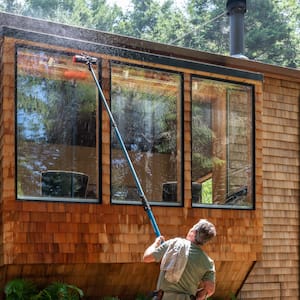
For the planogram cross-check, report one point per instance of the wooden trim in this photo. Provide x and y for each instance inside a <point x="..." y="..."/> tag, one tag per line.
<point x="96" y="36"/>
<point x="131" y="54"/>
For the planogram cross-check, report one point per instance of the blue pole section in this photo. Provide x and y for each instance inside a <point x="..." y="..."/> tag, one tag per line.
<point x="133" y="172"/>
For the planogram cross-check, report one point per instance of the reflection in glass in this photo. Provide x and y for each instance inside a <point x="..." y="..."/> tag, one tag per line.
<point x="146" y="106"/>
<point x="56" y="124"/>
<point x="222" y="136"/>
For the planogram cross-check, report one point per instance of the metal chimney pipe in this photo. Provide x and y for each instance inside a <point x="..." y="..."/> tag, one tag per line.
<point x="236" y="10"/>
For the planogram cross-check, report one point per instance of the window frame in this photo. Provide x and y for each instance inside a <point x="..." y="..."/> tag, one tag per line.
<point x="108" y="52"/>
<point x="98" y="151"/>
<point x="180" y="176"/>
<point x="252" y="138"/>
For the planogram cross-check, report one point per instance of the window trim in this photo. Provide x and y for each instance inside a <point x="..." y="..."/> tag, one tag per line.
<point x="253" y="195"/>
<point x="187" y="67"/>
<point x="130" y="54"/>
<point x="96" y="200"/>
<point x="181" y="121"/>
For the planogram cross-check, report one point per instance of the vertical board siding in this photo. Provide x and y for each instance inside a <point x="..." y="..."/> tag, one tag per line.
<point x="276" y="275"/>
<point x="1" y="155"/>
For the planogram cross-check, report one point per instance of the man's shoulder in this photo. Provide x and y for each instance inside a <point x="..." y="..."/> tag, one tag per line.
<point x="201" y="254"/>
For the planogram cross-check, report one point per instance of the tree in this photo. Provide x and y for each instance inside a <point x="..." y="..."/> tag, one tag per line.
<point x="104" y="17"/>
<point x="268" y="34"/>
<point x="55" y="10"/>
<point x="290" y="11"/>
<point x="161" y="22"/>
<point x="11" y="6"/>
<point x="210" y="25"/>
<point x="141" y="21"/>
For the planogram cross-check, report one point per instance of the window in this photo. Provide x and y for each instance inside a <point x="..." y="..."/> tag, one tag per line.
<point x="146" y="104"/>
<point x="56" y="128"/>
<point x="222" y="143"/>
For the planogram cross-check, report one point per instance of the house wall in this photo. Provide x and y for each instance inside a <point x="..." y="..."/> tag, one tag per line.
<point x="99" y="247"/>
<point x="67" y="240"/>
<point x="1" y="169"/>
<point x="276" y="275"/>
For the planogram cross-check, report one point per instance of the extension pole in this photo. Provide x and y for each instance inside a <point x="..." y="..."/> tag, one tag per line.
<point x="89" y="61"/>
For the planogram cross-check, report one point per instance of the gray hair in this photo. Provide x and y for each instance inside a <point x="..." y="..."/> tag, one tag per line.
<point x="205" y="231"/>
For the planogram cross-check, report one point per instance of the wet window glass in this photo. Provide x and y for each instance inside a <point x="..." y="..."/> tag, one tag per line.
<point x="146" y="104"/>
<point x="56" y="116"/>
<point x="222" y="144"/>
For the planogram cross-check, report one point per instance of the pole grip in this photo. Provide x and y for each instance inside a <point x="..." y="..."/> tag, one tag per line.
<point x="151" y="216"/>
<point x="153" y="223"/>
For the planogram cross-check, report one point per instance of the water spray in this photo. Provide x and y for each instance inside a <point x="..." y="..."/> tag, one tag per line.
<point x="89" y="61"/>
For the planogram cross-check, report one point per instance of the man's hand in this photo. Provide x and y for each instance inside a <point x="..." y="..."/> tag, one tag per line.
<point x="148" y="257"/>
<point x="158" y="241"/>
<point x="207" y="289"/>
<point x="201" y="294"/>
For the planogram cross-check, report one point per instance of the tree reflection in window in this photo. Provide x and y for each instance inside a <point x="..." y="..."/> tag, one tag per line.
<point x="146" y="104"/>
<point x="222" y="139"/>
<point x="56" y="120"/>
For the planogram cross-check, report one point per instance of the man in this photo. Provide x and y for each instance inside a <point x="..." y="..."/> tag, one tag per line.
<point x="184" y="265"/>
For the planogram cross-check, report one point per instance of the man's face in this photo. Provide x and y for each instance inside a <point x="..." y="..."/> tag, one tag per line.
<point x="191" y="234"/>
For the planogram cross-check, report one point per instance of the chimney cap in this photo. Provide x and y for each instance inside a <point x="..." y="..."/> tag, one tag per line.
<point x="239" y="5"/>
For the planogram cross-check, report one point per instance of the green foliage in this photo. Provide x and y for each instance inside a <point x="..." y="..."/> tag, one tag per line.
<point x="232" y="296"/>
<point x="207" y="191"/>
<point x="61" y="291"/>
<point x="271" y="44"/>
<point x="138" y="297"/>
<point x="141" y="297"/>
<point x="22" y="289"/>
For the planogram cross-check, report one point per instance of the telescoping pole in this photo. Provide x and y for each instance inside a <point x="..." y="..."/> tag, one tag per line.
<point x="89" y="61"/>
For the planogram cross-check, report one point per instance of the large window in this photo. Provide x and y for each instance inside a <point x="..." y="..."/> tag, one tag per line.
<point x="56" y="130"/>
<point x="146" y="104"/>
<point x="222" y="143"/>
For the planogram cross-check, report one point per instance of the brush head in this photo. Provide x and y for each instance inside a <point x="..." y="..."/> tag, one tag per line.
<point x="86" y="59"/>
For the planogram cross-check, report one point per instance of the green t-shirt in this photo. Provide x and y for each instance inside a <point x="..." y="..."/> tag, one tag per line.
<point x="199" y="267"/>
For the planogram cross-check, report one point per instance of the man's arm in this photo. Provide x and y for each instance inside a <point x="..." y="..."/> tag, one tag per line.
<point x="148" y="254"/>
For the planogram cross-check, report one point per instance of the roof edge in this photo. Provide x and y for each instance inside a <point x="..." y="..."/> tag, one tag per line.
<point x="117" y="40"/>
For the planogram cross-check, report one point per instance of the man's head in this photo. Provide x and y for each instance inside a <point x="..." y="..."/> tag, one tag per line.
<point x="202" y="232"/>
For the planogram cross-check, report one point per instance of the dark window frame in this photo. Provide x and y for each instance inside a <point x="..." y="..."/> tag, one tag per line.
<point x="180" y="203"/>
<point x="191" y="66"/>
<point x="96" y="200"/>
<point x="253" y="165"/>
